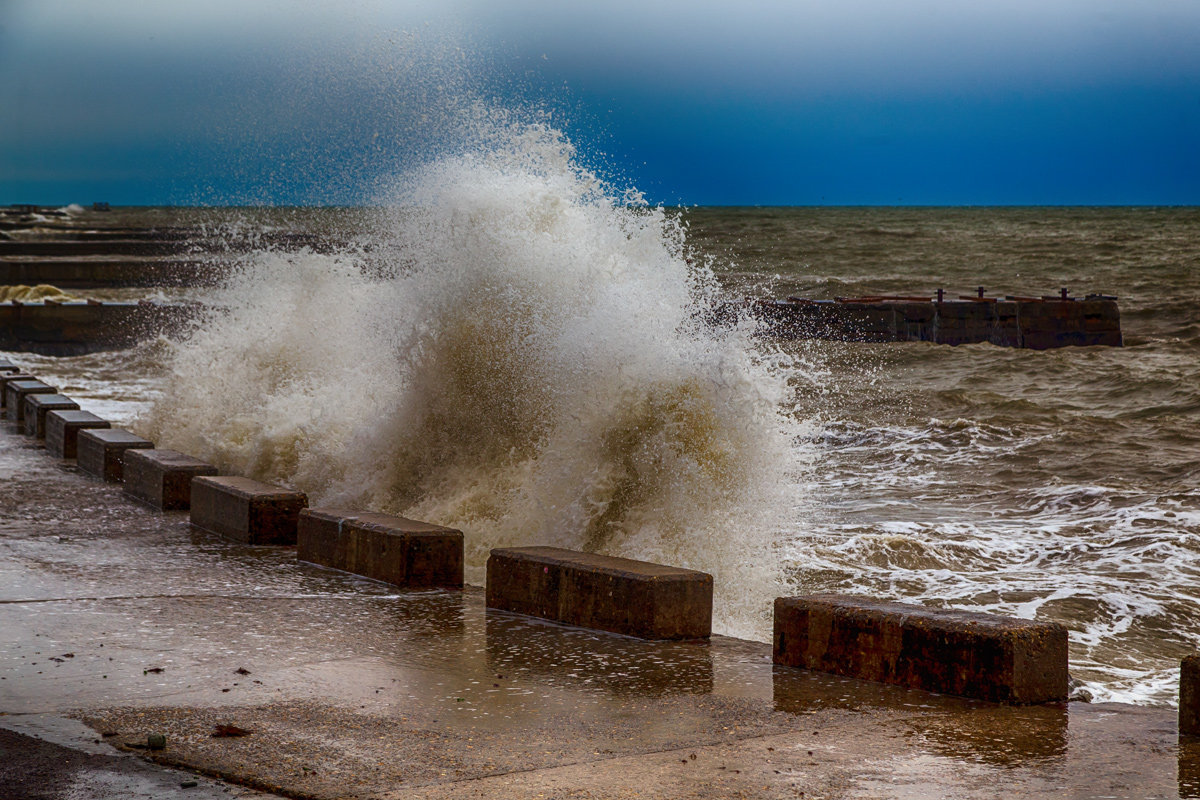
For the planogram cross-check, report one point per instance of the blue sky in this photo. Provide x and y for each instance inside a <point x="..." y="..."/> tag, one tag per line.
<point x="856" y="102"/>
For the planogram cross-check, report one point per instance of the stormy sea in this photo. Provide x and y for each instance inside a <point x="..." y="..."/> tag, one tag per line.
<point x="507" y="344"/>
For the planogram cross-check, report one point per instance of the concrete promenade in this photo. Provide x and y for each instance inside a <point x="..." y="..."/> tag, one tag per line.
<point x="135" y="623"/>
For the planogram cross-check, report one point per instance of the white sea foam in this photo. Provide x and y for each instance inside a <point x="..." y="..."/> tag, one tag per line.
<point x="520" y="354"/>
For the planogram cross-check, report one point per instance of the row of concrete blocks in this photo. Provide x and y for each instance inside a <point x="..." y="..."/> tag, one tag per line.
<point x="977" y="655"/>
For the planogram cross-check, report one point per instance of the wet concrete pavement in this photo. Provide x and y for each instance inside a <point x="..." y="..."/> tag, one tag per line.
<point x="46" y="757"/>
<point x="135" y="623"/>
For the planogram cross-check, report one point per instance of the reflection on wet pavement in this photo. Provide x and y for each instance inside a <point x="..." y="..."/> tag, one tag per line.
<point x="1189" y="766"/>
<point x="583" y="659"/>
<point x="963" y="729"/>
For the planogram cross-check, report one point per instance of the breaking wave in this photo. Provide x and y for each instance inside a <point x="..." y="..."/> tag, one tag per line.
<point x="519" y="352"/>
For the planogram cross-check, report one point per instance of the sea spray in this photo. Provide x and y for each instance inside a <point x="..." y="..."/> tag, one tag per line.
<point x="520" y="354"/>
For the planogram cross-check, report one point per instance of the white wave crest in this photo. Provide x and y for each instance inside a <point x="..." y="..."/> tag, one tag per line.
<point x="520" y="356"/>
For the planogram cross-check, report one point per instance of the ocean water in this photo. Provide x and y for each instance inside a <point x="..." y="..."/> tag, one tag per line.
<point x="1060" y="485"/>
<point x="507" y="345"/>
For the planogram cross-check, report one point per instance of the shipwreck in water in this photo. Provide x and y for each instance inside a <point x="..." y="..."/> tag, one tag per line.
<point x="1037" y="323"/>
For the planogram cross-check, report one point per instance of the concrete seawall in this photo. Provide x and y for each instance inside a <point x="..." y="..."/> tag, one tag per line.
<point x="97" y="259"/>
<point x="1035" y="324"/>
<point x="69" y="329"/>
<point x="992" y="658"/>
<point x="106" y="272"/>
<point x="74" y="247"/>
<point x="348" y="688"/>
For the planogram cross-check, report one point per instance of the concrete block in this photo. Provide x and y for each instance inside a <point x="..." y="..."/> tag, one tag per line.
<point x="635" y="598"/>
<point x="162" y="479"/>
<point x="36" y="408"/>
<point x="63" y="427"/>
<point x="1189" y="696"/>
<point x="16" y="392"/>
<point x="5" y="378"/>
<point x="101" y="451"/>
<point x="246" y="510"/>
<point x="8" y="366"/>
<point x="965" y="653"/>
<point x="386" y="548"/>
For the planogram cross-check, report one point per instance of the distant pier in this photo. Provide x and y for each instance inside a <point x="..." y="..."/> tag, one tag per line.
<point x="1035" y="323"/>
<point x="78" y="328"/>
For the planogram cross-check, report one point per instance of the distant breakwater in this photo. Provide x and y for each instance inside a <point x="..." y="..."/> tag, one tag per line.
<point x="61" y="255"/>
<point x="1026" y="322"/>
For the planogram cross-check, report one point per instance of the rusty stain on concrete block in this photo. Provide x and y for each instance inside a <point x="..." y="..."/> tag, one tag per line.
<point x="384" y="547"/>
<point x="989" y="657"/>
<point x="635" y="598"/>
<point x="162" y="479"/>
<point x="246" y="510"/>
